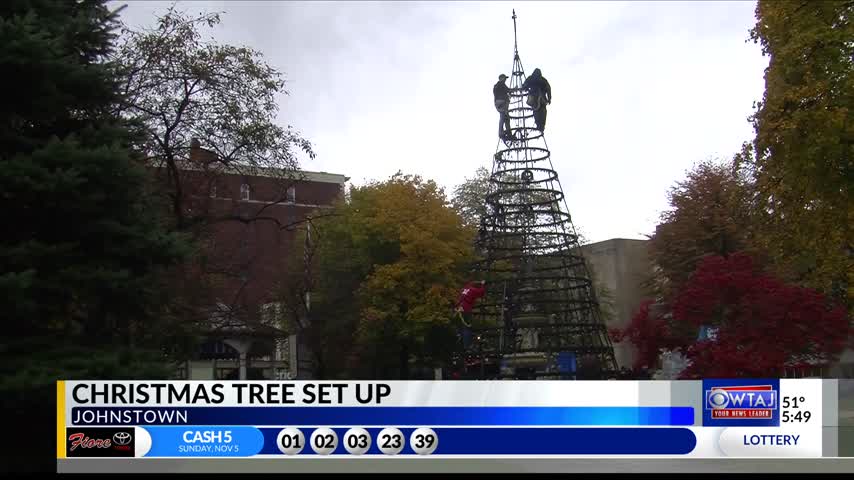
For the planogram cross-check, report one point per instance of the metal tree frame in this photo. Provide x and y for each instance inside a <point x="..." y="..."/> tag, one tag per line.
<point x="540" y="299"/>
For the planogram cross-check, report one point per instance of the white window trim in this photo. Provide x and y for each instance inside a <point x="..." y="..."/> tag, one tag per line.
<point x="244" y="192"/>
<point x="291" y="194"/>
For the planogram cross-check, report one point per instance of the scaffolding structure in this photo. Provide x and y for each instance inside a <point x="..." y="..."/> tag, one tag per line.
<point x="540" y="317"/>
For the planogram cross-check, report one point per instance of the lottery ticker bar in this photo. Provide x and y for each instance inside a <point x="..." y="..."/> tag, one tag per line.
<point x="286" y="420"/>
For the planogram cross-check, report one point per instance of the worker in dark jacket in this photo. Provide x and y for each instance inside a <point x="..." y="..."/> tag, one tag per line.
<point x="502" y="103"/>
<point x="539" y="95"/>
<point x="509" y="307"/>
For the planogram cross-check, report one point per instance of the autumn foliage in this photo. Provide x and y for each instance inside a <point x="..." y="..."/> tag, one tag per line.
<point x="801" y="156"/>
<point x="709" y="214"/>
<point x="763" y="324"/>
<point x="649" y="333"/>
<point x="387" y="267"/>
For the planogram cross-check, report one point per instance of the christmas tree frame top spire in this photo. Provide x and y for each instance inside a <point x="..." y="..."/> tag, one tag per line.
<point x="515" y="43"/>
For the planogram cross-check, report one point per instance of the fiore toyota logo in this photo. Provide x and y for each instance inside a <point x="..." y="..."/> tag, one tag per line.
<point x="99" y="442"/>
<point x="81" y="440"/>
<point x="122" y="438"/>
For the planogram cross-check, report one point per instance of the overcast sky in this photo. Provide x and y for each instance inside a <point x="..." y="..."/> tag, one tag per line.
<point x="642" y="90"/>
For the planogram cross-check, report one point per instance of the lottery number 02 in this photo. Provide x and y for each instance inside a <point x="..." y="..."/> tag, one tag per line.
<point x="291" y="441"/>
<point x="424" y="441"/>
<point x="392" y="441"/>
<point x="358" y="441"/>
<point x="324" y="441"/>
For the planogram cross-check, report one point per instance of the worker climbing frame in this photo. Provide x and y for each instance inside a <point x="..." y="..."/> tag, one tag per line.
<point x="540" y="317"/>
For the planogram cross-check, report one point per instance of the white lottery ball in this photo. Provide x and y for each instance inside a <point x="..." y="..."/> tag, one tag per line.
<point x="324" y="441"/>
<point x="290" y="441"/>
<point x="357" y="441"/>
<point x="424" y="441"/>
<point x="390" y="441"/>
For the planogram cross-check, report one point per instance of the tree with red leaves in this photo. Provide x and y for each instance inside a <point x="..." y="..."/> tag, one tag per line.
<point x="648" y="332"/>
<point x="763" y="325"/>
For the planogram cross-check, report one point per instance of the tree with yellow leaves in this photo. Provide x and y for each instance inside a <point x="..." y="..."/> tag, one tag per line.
<point x="802" y="153"/>
<point x="386" y="267"/>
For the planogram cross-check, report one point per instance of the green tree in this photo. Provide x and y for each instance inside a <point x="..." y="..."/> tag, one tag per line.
<point x="180" y="88"/>
<point x="804" y="141"/>
<point x="709" y="214"/>
<point x="469" y="197"/>
<point x="318" y="292"/>
<point x="81" y="263"/>
<point x="386" y="270"/>
<point x="182" y="91"/>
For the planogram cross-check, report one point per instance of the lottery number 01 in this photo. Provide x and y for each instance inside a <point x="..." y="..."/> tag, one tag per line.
<point x="291" y="441"/>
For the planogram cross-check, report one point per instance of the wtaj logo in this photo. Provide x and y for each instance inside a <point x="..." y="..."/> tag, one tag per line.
<point x="100" y="442"/>
<point x="757" y="401"/>
<point x="740" y="402"/>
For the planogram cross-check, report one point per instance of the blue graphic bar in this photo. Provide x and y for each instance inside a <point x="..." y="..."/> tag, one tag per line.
<point x="527" y="441"/>
<point x="398" y="416"/>
<point x="205" y="441"/>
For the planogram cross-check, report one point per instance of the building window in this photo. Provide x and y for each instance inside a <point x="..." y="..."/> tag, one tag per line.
<point x="213" y="190"/>
<point x="291" y="195"/>
<point x="244" y="192"/>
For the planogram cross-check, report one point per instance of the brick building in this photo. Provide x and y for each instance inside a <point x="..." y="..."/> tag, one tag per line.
<point x="253" y="215"/>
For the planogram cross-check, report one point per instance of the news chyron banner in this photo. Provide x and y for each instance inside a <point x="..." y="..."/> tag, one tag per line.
<point x="285" y="419"/>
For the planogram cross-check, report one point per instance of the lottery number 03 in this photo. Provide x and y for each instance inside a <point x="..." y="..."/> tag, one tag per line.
<point x="357" y="441"/>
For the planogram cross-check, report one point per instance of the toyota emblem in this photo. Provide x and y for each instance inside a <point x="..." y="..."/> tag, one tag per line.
<point x="121" y="438"/>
